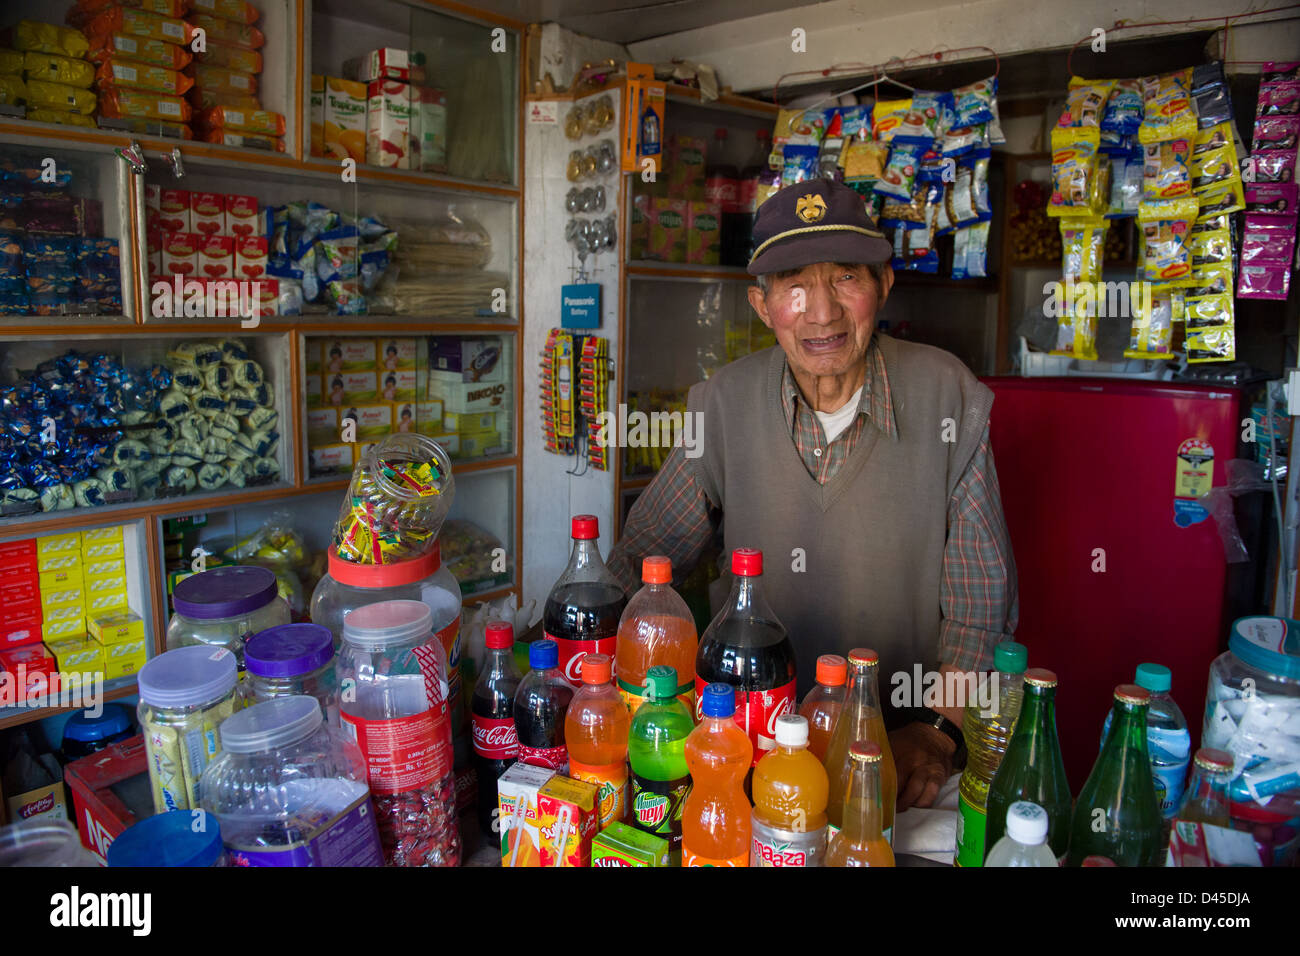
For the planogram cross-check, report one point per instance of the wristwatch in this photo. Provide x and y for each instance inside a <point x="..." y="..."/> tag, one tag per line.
<point x="938" y="721"/>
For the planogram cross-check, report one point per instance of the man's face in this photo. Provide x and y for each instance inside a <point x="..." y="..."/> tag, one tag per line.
<point x="823" y="315"/>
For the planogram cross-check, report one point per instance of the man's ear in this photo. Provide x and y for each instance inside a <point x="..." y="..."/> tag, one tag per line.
<point x="758" y="300"/>
<point x="886" y="282"/>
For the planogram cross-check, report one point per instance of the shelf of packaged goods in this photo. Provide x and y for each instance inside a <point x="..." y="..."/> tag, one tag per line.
<point x="113" y="690"/>
<point x="367" y="325"/>
<point x="379" y="174"/>
<point x="644" y="269"/>
<point x="458" y="467"/>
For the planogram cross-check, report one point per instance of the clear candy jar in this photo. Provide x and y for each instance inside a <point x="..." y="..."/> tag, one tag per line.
<point x="292" y="660"/>
<point x="43" y="841"/>
<point x="225" y="607"/>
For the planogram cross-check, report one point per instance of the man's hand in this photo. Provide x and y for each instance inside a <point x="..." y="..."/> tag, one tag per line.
<point x="923" y="757"/>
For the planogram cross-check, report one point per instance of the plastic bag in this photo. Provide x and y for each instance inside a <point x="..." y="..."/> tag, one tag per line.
<point x="886" y="118"/>
<point x="58" y="69"/>
<point x="1167" y="107"/>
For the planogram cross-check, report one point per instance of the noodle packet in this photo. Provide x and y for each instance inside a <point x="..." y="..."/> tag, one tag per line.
<point x="1166" y="169"/>
<point x="1076" y="333"/>
<point x="1080" y="186"/>
<point x="864" y="159"/>
<point x="1085" y="104"/>
<point x="1211" y="345"/>
<point x="53" y="68"/>
<point x="1152" y="329"/>
<point x="1165" y="232"/>
<point x="1123" y="113"/>
<point x="1167" y="111"/>
<point x="973" y="103"/>
<point x="886" y="118"/>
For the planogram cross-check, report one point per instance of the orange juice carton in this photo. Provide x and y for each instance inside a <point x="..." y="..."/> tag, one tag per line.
<point x="241" y="216"/>
<point x="344" y="119"/>
<point x="173" y="210"/>
<point x="517" y="815"/>
<point x="180" y="253"/>
<point x="388" y="124"/>
<point x="622" y="845"/>
<point x="387" y="63"/>
<point x="568" y="813"/>
<point x="250" y="257"/>
<point x="208" y="213"/>
<point x="216" y="257"/>
<point x="666" y="230"/>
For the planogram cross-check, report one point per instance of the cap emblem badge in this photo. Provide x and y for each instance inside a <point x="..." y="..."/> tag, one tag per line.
<point x="810" y="208"/>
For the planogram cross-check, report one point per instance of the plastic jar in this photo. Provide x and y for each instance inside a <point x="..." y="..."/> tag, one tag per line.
<point x="43" y="842"/>
<point x="84" y="735"/>
<point x="185" y="694"/>
<point x="289" y="790"/>
<point x="290" y="660"/>
<point x="1254" y="690"/>
<point x="399" y="718"/>
<point x="169" y="839"/>
<point x="225" y="607"/>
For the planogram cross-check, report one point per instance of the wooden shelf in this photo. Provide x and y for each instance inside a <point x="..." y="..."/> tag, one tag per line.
<point x="13" y="716"/>
<point x="648" y="269"/>
<point x="917" y="280"/>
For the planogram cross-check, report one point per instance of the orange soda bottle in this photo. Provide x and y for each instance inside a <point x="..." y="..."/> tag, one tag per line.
<point x="596" y="728"/>
<point x="861" y="842"/>
<point x="716" y="815"/>
<point x="861" y="719"/>
<point x="656" y="628"/>
<point x="824" y="702"/>
<point x="790" y="791"/>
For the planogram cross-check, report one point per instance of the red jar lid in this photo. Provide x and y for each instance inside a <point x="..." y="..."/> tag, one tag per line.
<point x="385" y="575"/>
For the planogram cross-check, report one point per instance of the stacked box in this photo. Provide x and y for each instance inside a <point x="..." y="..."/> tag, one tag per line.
<point x="226" y="75"/>
<point x="20" y="597"/>
<point x="103" y="554"/>
<point x="121" y="635"/>
<point x="517" y="814"/>
<point x="62" y="586"/>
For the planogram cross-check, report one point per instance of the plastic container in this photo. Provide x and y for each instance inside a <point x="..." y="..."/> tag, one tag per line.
<point x="185" y="694"/>
<point x="290" y="790"/>
<point x="290" y="660"/>
<point x="225" y="607"/>
<point x="84" y="735"/>
<point x="43" y="842"/>
<point x="1254" y="688"/>
<point x="1025" y="843"/>
<point x="1168" y="741"/>
<point x="169" y="839"/>
<point x="716" y="816"/>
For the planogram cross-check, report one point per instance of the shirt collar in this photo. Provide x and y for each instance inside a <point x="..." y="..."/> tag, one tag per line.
<point x="876" y="403"/>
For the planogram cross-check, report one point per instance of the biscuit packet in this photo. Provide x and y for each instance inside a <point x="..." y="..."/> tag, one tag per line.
<point x="1085" y="103"/>
<point x="1165" y="229"/>
<point x="1167" y="110"/>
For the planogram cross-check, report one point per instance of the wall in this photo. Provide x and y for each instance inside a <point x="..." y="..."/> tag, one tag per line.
<point x="563" y="52"/>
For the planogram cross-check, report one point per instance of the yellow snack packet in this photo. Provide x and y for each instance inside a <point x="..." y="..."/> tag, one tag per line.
<point x="1211" y="345"/>
<point x="60" y="96"/>
<point x="58" y="69"/>
<point x="1085" y="103"/>
<point x="48" y="38"/>
<point x="887" y="116"/>
<point x="1080" y="183"/>
<point x="1167" y="111"/>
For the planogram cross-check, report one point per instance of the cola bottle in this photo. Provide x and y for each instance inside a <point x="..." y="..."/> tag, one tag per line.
<point x="584" y="606"/>
<point x="492" y="710"/>
<point x="541" y="702"/>
<point x="747" y="647"/>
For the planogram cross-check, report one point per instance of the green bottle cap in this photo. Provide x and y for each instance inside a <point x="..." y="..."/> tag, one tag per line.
<point x="1010" y="658"/>
<point x="1154" y="677"/>
<point x="661" y="682"/>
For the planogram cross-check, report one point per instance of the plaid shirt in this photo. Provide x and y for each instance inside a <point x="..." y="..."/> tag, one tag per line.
<point x="977" y="597"/>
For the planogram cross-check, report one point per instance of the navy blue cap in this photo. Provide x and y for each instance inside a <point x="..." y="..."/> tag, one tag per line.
<point x="719" y="700"/>
<point x="169" y="839"/>
<point x="543" y="654"/>
<point x="819" y="220"/>
<point x="81" y="726"/>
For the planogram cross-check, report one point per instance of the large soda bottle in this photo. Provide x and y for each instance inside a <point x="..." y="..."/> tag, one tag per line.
<point x="596" y="729"/>
<point x="861" y="842"/>
<point x="751" y="175"/>
<point x="1128" y="827"/>
<point x="790" y="792"/>
<point x="584" y="606"/>
<point x="1205" y="805"/>
<point x="1025" y="840"/>
<point x="715" y="817"/>
<point x="861" y="719"/>
<point x="492" y="717"/>
<point x="1033" y="769"/>
<point x="987" y="734"/>
<point x="656" y="628"/>
<point x="747" y="647"/>
<point x="541" y="702"/>
<point x="824" y="702"/>
<point x="656" y="748"/>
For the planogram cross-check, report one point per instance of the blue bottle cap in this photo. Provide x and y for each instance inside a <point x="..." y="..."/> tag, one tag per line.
<point x="719" y="700"/>
<point x="543" y="655"/>
<point x="169" y="839"/>
<point x="1154" y="677"/>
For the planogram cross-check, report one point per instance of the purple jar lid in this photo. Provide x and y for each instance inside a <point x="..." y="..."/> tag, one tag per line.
<point x="288" y="650"/>
<point x="225" y="592"/>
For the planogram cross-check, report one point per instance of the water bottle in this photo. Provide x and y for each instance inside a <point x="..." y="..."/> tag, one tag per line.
<point x="1025" y="843"/>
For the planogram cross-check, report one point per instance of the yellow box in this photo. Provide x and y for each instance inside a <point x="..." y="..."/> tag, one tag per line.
<point x="101" y="550"/>
<point x="397" y="386"/>
<point x="63" y="612"/>
<point x="322" y="425"/>
<point x="124" y="658"/>
<point x="404" y="417"/>
<point x="102" y="601"/>
<point x="58" y="561"/>
<point x="106" y="584"/>
<point x="336" y="457"/>
<point x="468" y="423"/>
<point x="72" y="594"/>
<point x="372" y="421"/>
<point x="393" y="354"/>
<point x="61" y="580"/>
<point x="103" y="568"/>
<point x="482" y="443"/>
<point x="59" y="630"/>
<point x="75" y="655"/>
<point x="114" y="627"/>
<point x="71" y="541"/>
<point x="99" y="535"/>
<point x="428" y="417"/>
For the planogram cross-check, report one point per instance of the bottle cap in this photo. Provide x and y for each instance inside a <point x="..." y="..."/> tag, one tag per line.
<point x="1154" y="677"/>
<point x="168" y="839"/>
<point x="718" y="700"/>
<point x="832" y="670"/>
<point x="1027" y="823"/>
<point x="661" y="682"/>
<point x="388" y="622"/>
<point x="1098" y="861"/>
<point x="1040" y="677"/>
<point x="596" y="668"/>
<point x="863" y="657"/>
<point x="657" y="569"/>
<point x="499" y="635"/>
<point x="747" y="562"/>
<point x="1215" y="761"/>
<point x="1132" y="694"/>
<point x="1010" y="657"/>
<point x="865" y="751"/>
<point x="543" y="655"/>
<point x="792" y="731"/>
<point x="586" y="527"/>
<point x="225" y="592"/>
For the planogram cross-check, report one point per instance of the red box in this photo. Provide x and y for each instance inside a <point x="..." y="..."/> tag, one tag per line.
<point x="21" y="631"/>
<point x="15" y="553"/>
<point x="208" y="213"/>
<point x="33" y="669"/>
<point x="250" y="257"/>
<point x="241" y="216"/>
<point x="18" y="607"/>
<point x="268" y="294"/>
<point x="17" y="590"/>
<point x="14" y="577"/>
<point x="173" y="210"/>
<point x="216" y="257"/>
<point x="180" y="254"/>
<point x="154" y="244"/>
<point x="107" y="797"/>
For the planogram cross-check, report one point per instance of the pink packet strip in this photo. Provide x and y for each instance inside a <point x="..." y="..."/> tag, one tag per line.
<point x="1264" y="282"/>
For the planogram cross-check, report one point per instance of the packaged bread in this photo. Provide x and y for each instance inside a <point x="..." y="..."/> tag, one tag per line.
<point x="170" y="56"/>
<point x="239" y="11"/>
<point x="53" y="68"/>
<point x="202" y="99"/>
<point x="231" y="57"/>
<point x="121" y="103"/>
<point x="47" y="38"/>
<point x="59" y="96"/>
<point x="139" y="23"/>
<point x="140" y="76"/>
<point x="228" y="31"/>
<point x="223" y="81"/>
<point x="262" y="122"/>
<point x="167" y="8"/>
<point x="63" y="117"/>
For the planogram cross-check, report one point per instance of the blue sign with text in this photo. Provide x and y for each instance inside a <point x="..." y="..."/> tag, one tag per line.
<point x="580" y="306"/>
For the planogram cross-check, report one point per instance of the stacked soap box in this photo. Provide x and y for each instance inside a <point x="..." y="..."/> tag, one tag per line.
<point x="468" y="377"/>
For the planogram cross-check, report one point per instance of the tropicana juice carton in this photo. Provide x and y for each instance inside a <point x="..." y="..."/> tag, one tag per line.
<point x="517" y="816"/>
<point x="388" y="124"/>
<point x="345" y="119"/>
<point x="568" y="817"/>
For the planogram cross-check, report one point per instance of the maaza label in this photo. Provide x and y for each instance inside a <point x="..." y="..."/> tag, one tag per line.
<point x="770" y="846"/>
<point x="612" y="781"/>
<point x="657" y="806"/>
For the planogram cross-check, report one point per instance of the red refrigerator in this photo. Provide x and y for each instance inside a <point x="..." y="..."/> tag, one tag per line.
<point x="1118" y="561"/>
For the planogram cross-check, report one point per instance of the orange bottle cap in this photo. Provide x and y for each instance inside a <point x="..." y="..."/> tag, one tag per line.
<point x="596" y="669"/>
<point x="657" y="569"/>
<point x="832" y="670"/>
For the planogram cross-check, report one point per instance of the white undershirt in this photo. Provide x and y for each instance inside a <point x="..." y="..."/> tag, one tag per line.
<point x="834" y="423"/>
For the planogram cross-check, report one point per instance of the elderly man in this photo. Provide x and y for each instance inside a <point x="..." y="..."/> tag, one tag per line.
<point x="860" y="465"/>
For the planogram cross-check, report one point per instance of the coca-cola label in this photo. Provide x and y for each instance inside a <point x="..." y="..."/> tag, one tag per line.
<point x="572" y="652"/>
<point x="495" y="738"/>
<point x="552" y="758"/>
<point x="756" y="713"/>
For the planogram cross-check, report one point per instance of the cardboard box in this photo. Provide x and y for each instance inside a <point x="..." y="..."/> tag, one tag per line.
<point x="392" y="355"/>
<point x="316" y="110"/>
<point x="349" y="355"/>
<point x="207" y="213"/>
<point x="331" y="458"/>
<point x="55" y="603"/>
<point x="60" y="579"/>
<point x="428" y="417"/>
<point x="103" y="550"/>
<point x="322" y="425"/>
<point x="250" y="258"/>
<point x="428" y="128"/>
<point x="469" y="423"/>
<point x="52" y="543"/>
<point x="18" y="554"/>
<point x="388" y="124"/>
<point x="666" y="230"/>
<point x="152" y="205"/>
<point x="20" y="631"/>
<point x="459" y="358"/>
<point x="102" y="601"/>
<point x="43" y="803"/>
<point x="78" y="656"/>
<point x="216" y="257"/>
<point x="153" y="252"/>
<point x="58" y="561"/>
<point x="20" y="606"/>
<point x="703" y="233"/>
<point x="64" y="628"/>
<point x="110" y="792"/>
<point x="386" y="63"/>
<point x="123" y="658"/>
<point x="622" y="845"/>
<point x="372" y="421"/>
<point x="397" y="386"/>
<point x="686" y="162"/>
<point x="173" y="211"/>
<point x="114" y="627"/>
<point x="105" y="584"/>
<point x="242" y="216"/>
<point x="449" y="441"/>
<point x="517" y="791"/>
<point x="359" y="388"/>
<point x="478" y="445"/>
<point x="103" y="568"/>
<point x="404" y="417"/>
<point x="641" y="131"/>
<point x="311" y="385"/>
<point x="344" y="119"/>
<point x="180" y="254"/>
<point x="115" y="532"/>
<point x="568" y="817"/>
<point x="467" y="397"/>
<point x="32" y="669"/>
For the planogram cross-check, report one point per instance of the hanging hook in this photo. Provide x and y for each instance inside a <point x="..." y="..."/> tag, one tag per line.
<point x="175" y="163"/>
<point x="133" y="156"/>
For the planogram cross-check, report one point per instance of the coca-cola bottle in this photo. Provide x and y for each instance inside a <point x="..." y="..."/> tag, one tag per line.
<point x="747" y="647"/>
<point x="584" y="606"/>
<point x="541" y="702"/>
<point x="492" y="709"/>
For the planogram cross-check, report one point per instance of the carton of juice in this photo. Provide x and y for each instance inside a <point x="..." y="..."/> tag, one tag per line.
<point x="208" y="213"/>
<point x="388" y="124"/>
<point x="686" y="167"/>
<point x="216" y="257"/>
<point x="666" y="230"/>
<point x="173" y="210"/>
<point x="703" y="233"/>
<point x="568" y="818"/>
<point x="622" y="845"/>
<point x="517" y="818"/>
<point x="317" y="111"/>
<point x="344" y="119"/>
<point x="428" y="128"/>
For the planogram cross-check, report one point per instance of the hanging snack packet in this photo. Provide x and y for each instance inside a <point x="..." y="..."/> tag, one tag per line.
<point x="1082" y="244"/>
<point x="1125" y="186"/>
<point x="1213" y="278"/>
<point x="996" y="136"/>
<point x="1085" y="104"/>
<point x="907" y="215"/>
<point x="886" y="118"/>
<point x="1211" y="345"/>
<point x="1277" y="199"/>
<point x="864" y="159"/>
<point x="1276" y="132"/>
<point x="942" y="222"/>
<point x="900" y="173"/>
<point x="1274" y="166"/>
<point x="1166" y="169"/>
<point x="970" y="249"/>
<point x="1210" y="246"/>
<point x="799" y="128"/>
<point x="980" y="188"/>
<point x="899" y="258"/>
<point x="1080" y="186"/>
<point x="1264" y="281"/>
<point x="800" y="164"/>
<point x="828" y="155"/>
<point x="1165" y="231"/>
<point x="1076" y="333"/>
<point x="1152" y="328"/>
<point x="973" y="103"/>
<point x="1167" y="111"/>
<point x="1267" y="238"/>
<point x="1221" y="200"/>
<point x="921" y="123"/>
<point x="1208" y="311"/>
<point x="1278" y="99"/>
<point x="1123" y="113"/>
<point x="960" y="140"/>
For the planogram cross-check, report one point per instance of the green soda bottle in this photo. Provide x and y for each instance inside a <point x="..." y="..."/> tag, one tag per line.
<point x="1032" y="769"/>
<point x="1117" y="814"/>
<point x="986" y="736"/>
<point x="656" y="748"/>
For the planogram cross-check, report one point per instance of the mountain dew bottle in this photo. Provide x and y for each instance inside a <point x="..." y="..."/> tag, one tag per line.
<point x="656" y="749"/>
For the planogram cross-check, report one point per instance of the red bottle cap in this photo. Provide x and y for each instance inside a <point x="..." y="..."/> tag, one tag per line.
<point x="586" y="527"/>
<point x="1132" y="694"/>
<point x="747" y="562"/>
<point x="863" y="656"/>
<point x="832" y="670"/>
<point x="865" y="750"/>
<point x="1040" y="677"/>
<point x="1098" y="861"/>
<point x="657" y="569"/>
<point x="500" y="635"/>
<point x="596" y="669"/>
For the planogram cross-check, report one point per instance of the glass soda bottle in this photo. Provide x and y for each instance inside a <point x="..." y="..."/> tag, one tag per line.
<point x="583" y="608"/>
<point x="596" y="729"/>
<point x="492" y="717"/>
<point x="824" y="702"/>
<point x="986" y="736"/>
<point x="656" y="628"/>
<point x="861" y="719"/>
<point x="656" y="748"/>
<point x="716" y="816"/>
<point x="541" y="702"/>
<point x="747" y="647"/>
<point x="1205" y="804"/>
<point x="1025" y="840"/>
<point x="1117" y="814"/>
<point x="1033" y="768"/>
<point x="861" y="842"/>
<point x="790" y="794"/>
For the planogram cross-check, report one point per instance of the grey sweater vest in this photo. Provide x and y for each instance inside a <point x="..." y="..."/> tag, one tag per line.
<point x="872" y="538"/>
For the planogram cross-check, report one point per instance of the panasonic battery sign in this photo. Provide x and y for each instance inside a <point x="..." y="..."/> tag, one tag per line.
<point x="580" y="306"/>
